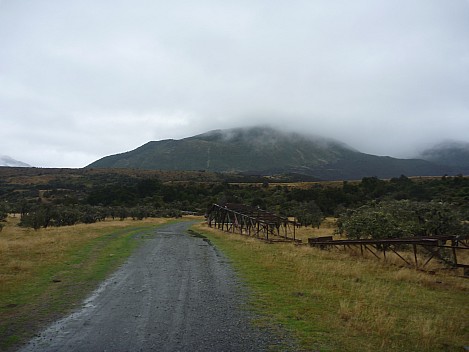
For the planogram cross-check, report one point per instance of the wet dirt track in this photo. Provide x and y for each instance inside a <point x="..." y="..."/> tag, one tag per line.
<point x="175" y="293"/>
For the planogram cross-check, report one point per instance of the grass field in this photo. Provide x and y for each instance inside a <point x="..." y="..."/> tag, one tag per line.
<point x="332" y="301"/>
<point x="45" y="273"/>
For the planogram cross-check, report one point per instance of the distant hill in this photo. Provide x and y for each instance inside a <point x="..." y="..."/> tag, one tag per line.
<point x="266" y="151"/>
<point x="5" y="160"/>
<point x="450" y="153"/>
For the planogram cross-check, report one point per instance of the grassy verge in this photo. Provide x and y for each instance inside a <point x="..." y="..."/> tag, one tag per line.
<point x="44" y="274"/>
<point x="331" y="301"/>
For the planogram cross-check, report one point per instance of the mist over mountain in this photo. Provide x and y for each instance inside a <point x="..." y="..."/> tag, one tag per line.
<point x="267" y="151"/>
<point x="5" y="160"/>
<point x="451" y="153"/>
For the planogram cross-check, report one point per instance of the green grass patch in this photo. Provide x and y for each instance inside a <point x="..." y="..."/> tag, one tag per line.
<point x="331" y="301"/>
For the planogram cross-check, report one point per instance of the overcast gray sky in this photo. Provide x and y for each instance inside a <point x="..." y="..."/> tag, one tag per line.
<point x="80" y="80"/>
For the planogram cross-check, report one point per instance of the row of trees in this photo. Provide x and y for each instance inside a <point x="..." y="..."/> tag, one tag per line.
<point x="74" y="200"/>
<point x="61" y="215"/>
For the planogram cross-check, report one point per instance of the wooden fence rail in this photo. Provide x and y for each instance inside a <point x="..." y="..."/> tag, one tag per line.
<point x="251" y="221"/>
<point x="445" y="249"/>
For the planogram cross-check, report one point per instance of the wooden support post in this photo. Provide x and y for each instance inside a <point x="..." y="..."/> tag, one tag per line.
<point x="415" y="256"/>
<point x="428" y="260"/>
<point x="369" y="250"/>
<point x="454" y="244"/>
<point x="400" y="256"/>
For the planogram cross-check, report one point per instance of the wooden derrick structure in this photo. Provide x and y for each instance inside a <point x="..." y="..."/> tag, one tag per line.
<point x="251" y="221"/>
<point x="443" y="248"/>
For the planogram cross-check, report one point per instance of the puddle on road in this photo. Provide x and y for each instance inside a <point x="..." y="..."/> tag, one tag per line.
<point x="198" y="235"/>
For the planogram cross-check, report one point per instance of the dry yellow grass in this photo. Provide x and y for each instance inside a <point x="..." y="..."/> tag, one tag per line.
<point x="327" y="228"/>
<point x="24" y="251"/>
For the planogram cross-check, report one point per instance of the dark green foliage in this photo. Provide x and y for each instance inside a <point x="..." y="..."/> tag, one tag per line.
<point x="3" y="214"/>
<point x="61" y="215"/>
<point x="58" y="215"/>
<point x="403" y="218"/>
<point x="37" y="217"/>
<point x="89" y="196"/>
<point x="147" y="187"/>
<point x="91" y="214"/>
<point x="113" y="195"/>
<point x="309" y="214"/>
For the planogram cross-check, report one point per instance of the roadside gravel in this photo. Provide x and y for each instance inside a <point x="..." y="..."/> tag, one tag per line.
<point x="175" y="293"/>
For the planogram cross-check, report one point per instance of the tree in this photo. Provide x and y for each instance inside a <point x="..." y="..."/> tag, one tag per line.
<point x="66" y="216"/>
<point x="394" y="219"/>
<point x="309" y="214"/>
<point x="34" y="218"/>
<point x="3" y="215"/>
<point x="259" y="202"/>
<point x="3" y="211"/>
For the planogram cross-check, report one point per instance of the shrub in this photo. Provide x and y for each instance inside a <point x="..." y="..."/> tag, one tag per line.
<point x="394" y="219"/>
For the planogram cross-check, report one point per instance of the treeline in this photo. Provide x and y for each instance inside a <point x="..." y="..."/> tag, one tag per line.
<point x="69" y="200"/>
<point x="64" y="215"/>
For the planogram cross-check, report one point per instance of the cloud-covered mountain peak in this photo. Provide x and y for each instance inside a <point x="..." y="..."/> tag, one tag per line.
<point x="450" y="152"/>
<point x="265" y="151"/>
<point x="6" y="160"/>
<point x="267" y="136"/>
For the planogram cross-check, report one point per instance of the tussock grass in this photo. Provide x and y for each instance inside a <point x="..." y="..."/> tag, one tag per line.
<point x="327" y="228"/>
<point x="332" y="301"/>
<point x="44" y="273"/>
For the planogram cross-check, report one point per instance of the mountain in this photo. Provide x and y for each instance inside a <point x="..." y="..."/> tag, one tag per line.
<point x="266" y="151"/>
<point x="450" y="153"/>
<point x="5" y="160"/>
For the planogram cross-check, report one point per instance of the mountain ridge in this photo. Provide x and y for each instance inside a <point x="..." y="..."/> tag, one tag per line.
<point x="451" y="153"/>
<point x="8" y="161"/>
<point x="267" y="151"/>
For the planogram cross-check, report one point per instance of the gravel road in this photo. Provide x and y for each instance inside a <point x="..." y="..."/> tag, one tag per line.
<point x="175" y="293"/>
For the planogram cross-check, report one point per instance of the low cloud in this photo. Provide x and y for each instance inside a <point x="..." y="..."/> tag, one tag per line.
<point x="82" y="80"/>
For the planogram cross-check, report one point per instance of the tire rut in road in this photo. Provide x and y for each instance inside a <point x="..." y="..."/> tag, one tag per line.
<point x="175" y="293"/>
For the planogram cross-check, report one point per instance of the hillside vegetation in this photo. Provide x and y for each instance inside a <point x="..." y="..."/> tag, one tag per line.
<point x="55" y="197"/>
<point x="265" y="151"/>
